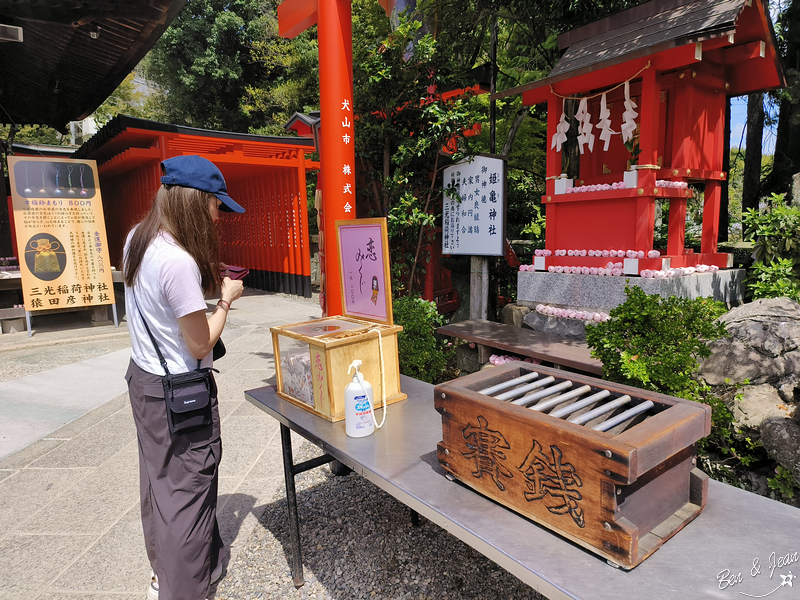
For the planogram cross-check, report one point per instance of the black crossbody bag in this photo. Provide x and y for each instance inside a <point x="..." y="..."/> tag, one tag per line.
<point x="187" y="395"/>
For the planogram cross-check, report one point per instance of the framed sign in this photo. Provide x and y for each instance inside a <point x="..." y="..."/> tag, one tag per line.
<point x="364" y="264"/>
<point x="61" y="233"/>
<point x="473" y="215"/>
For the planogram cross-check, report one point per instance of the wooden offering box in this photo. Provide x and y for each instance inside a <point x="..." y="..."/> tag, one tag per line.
<point x="608" y="466"/>
<point x="311" y="361"/>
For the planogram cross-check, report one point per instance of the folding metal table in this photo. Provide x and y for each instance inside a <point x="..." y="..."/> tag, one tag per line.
<point x="737" y="530"/>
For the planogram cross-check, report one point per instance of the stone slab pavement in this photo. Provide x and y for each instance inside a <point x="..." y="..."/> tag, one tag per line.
<point x="69" y="508"/>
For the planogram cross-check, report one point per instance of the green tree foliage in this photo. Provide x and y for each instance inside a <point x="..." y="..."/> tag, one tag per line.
<point x="290" y="78"/>
<point x="774" y="231"/>
<point x="126" y="99"/>
<point x="34" y="134"/>
<point x="402" y="125"/>
<point x="787" y="140"/>
<point x="203" y="63"/>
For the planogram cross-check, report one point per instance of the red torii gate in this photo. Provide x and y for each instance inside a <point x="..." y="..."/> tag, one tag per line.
<point x="336" y="142"/>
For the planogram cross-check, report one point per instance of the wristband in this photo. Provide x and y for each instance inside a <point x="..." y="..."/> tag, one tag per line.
<point x="227" y="305"/>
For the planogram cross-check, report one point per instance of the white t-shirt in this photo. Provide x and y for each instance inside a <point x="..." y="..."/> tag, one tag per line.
<point x="168" y="286"/>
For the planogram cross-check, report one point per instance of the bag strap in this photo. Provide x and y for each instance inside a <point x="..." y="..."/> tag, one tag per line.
<point x="153" y="339"/>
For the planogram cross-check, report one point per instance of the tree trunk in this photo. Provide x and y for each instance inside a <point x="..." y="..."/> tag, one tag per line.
<point x="751" y="178"/>
<point x="512" y="132"/>
<point x="387" y="158"/>
<point x="787" y="141"/>
<point x="724" y="224"/>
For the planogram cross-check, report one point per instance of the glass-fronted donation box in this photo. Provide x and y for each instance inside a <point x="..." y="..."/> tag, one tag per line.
<point x="312" y="358"/>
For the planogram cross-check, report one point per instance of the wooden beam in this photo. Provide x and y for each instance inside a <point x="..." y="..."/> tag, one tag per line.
<point x="295" y="16"/>
<point x="738" y="55"/>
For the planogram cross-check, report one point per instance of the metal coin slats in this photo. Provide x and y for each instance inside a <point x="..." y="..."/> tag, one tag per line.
<point x="545" y="394"/>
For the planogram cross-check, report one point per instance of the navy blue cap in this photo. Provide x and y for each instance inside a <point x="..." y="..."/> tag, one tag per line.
<point x="201" y="174"/>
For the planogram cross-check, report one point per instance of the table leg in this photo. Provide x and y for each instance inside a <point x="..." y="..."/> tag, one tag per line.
<point x="291" y="499"/>
<point x="414" y="518"/>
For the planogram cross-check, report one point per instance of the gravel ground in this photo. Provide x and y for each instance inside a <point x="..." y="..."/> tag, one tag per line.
<point x="359" y="542"/>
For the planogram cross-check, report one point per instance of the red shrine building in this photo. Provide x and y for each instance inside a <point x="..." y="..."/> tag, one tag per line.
<point x="657" y="76"/>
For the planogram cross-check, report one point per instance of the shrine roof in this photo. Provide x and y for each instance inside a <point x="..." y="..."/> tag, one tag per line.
<point x="124" y="132"/>
<point x="655" y="30"/>
<point x="645" y="29"/>
<point x="73" y="54"/>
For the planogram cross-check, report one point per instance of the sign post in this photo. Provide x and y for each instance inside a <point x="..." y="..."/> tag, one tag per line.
<point x="61" y="233"/>
<point x="473" y="220"/>
<point x="366" y="277"/>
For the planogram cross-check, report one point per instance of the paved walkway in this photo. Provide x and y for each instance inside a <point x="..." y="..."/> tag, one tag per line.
<point x="69" y="509"/>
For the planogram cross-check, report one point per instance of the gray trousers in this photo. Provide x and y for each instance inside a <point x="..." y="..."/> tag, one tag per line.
<point x="178" y="484"/>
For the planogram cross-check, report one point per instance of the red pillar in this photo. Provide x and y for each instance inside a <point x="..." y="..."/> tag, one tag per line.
<point x="711" y="206"/>
<point x="676" y="234"/>
<point x="648" y="119"/>
<point x="553" y="169"/>
<point x="337" y="155"/>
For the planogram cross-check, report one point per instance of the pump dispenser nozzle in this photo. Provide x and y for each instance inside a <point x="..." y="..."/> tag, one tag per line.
<point x="354" y="365"/>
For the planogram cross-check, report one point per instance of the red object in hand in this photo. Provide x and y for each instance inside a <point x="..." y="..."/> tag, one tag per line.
<point x="233" y="272"/>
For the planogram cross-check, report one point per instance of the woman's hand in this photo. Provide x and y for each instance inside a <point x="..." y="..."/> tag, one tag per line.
<point x="231" y="289"/>
<point x="201" y="333"/>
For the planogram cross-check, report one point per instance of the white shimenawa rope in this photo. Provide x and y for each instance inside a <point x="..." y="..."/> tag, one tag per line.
<point x="383" y="383"/>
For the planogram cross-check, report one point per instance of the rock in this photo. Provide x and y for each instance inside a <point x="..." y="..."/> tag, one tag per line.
<point x="758" y="403"/>
<point x="781" y="439"/>
<point x="788" y="389"/>
<point x="567" y="328"/>
<point x="765" y="309"/>
<point x="757" y="483"/>
<point x="734" y="361"/>
<point x="763" y="347"/>
<point x="514" y="314"/>
<point x="467" y="359"/>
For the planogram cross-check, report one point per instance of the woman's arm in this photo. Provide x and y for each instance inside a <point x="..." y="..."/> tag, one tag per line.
<point x="201" y="333"/>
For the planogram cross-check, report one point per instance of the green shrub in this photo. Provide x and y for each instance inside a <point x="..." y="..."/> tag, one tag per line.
<point x="775" y="280"/>
<point x="422" y="355"/>
<point x="774" y="231"/>
<point x="655" y="343"/>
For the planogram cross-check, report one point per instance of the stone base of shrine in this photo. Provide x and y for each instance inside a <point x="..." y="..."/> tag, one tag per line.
<point x="598" y="292"/>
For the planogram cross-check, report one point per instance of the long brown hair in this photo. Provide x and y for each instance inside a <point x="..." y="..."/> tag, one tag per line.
<point x="183" y="213"/>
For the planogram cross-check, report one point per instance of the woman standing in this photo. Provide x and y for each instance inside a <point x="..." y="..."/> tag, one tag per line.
<point x="171" y="260"/>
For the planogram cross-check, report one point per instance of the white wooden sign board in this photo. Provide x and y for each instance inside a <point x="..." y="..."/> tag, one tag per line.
<point x="473" y="222"/>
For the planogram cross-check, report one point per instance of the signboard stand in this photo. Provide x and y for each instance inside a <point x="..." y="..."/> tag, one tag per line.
<point x="364" y="266"/>
<point x="61" y="236"/>
<point x="473" y="220"/>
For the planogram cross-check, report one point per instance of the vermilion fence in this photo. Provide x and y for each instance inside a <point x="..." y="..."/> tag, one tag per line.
<point x="266" y="175"/>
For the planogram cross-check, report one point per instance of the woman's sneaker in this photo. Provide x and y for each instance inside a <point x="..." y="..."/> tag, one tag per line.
<point x="152" y="591"/>
<point x="216" y="574"/>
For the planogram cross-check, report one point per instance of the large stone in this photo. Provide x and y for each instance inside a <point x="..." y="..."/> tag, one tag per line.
<point x="763" y="347"/>
<point x="781" y="439"/>
<point x="764" y="309"/>
<point x="605" y="293"/>
<point x="735" y="362"/>
<point x="788" y="389"/>
<point x="514" y="314"/>
<point x="567" y="328"/>
<point x="467" y="359"/>
<point x="758" y="403"/>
